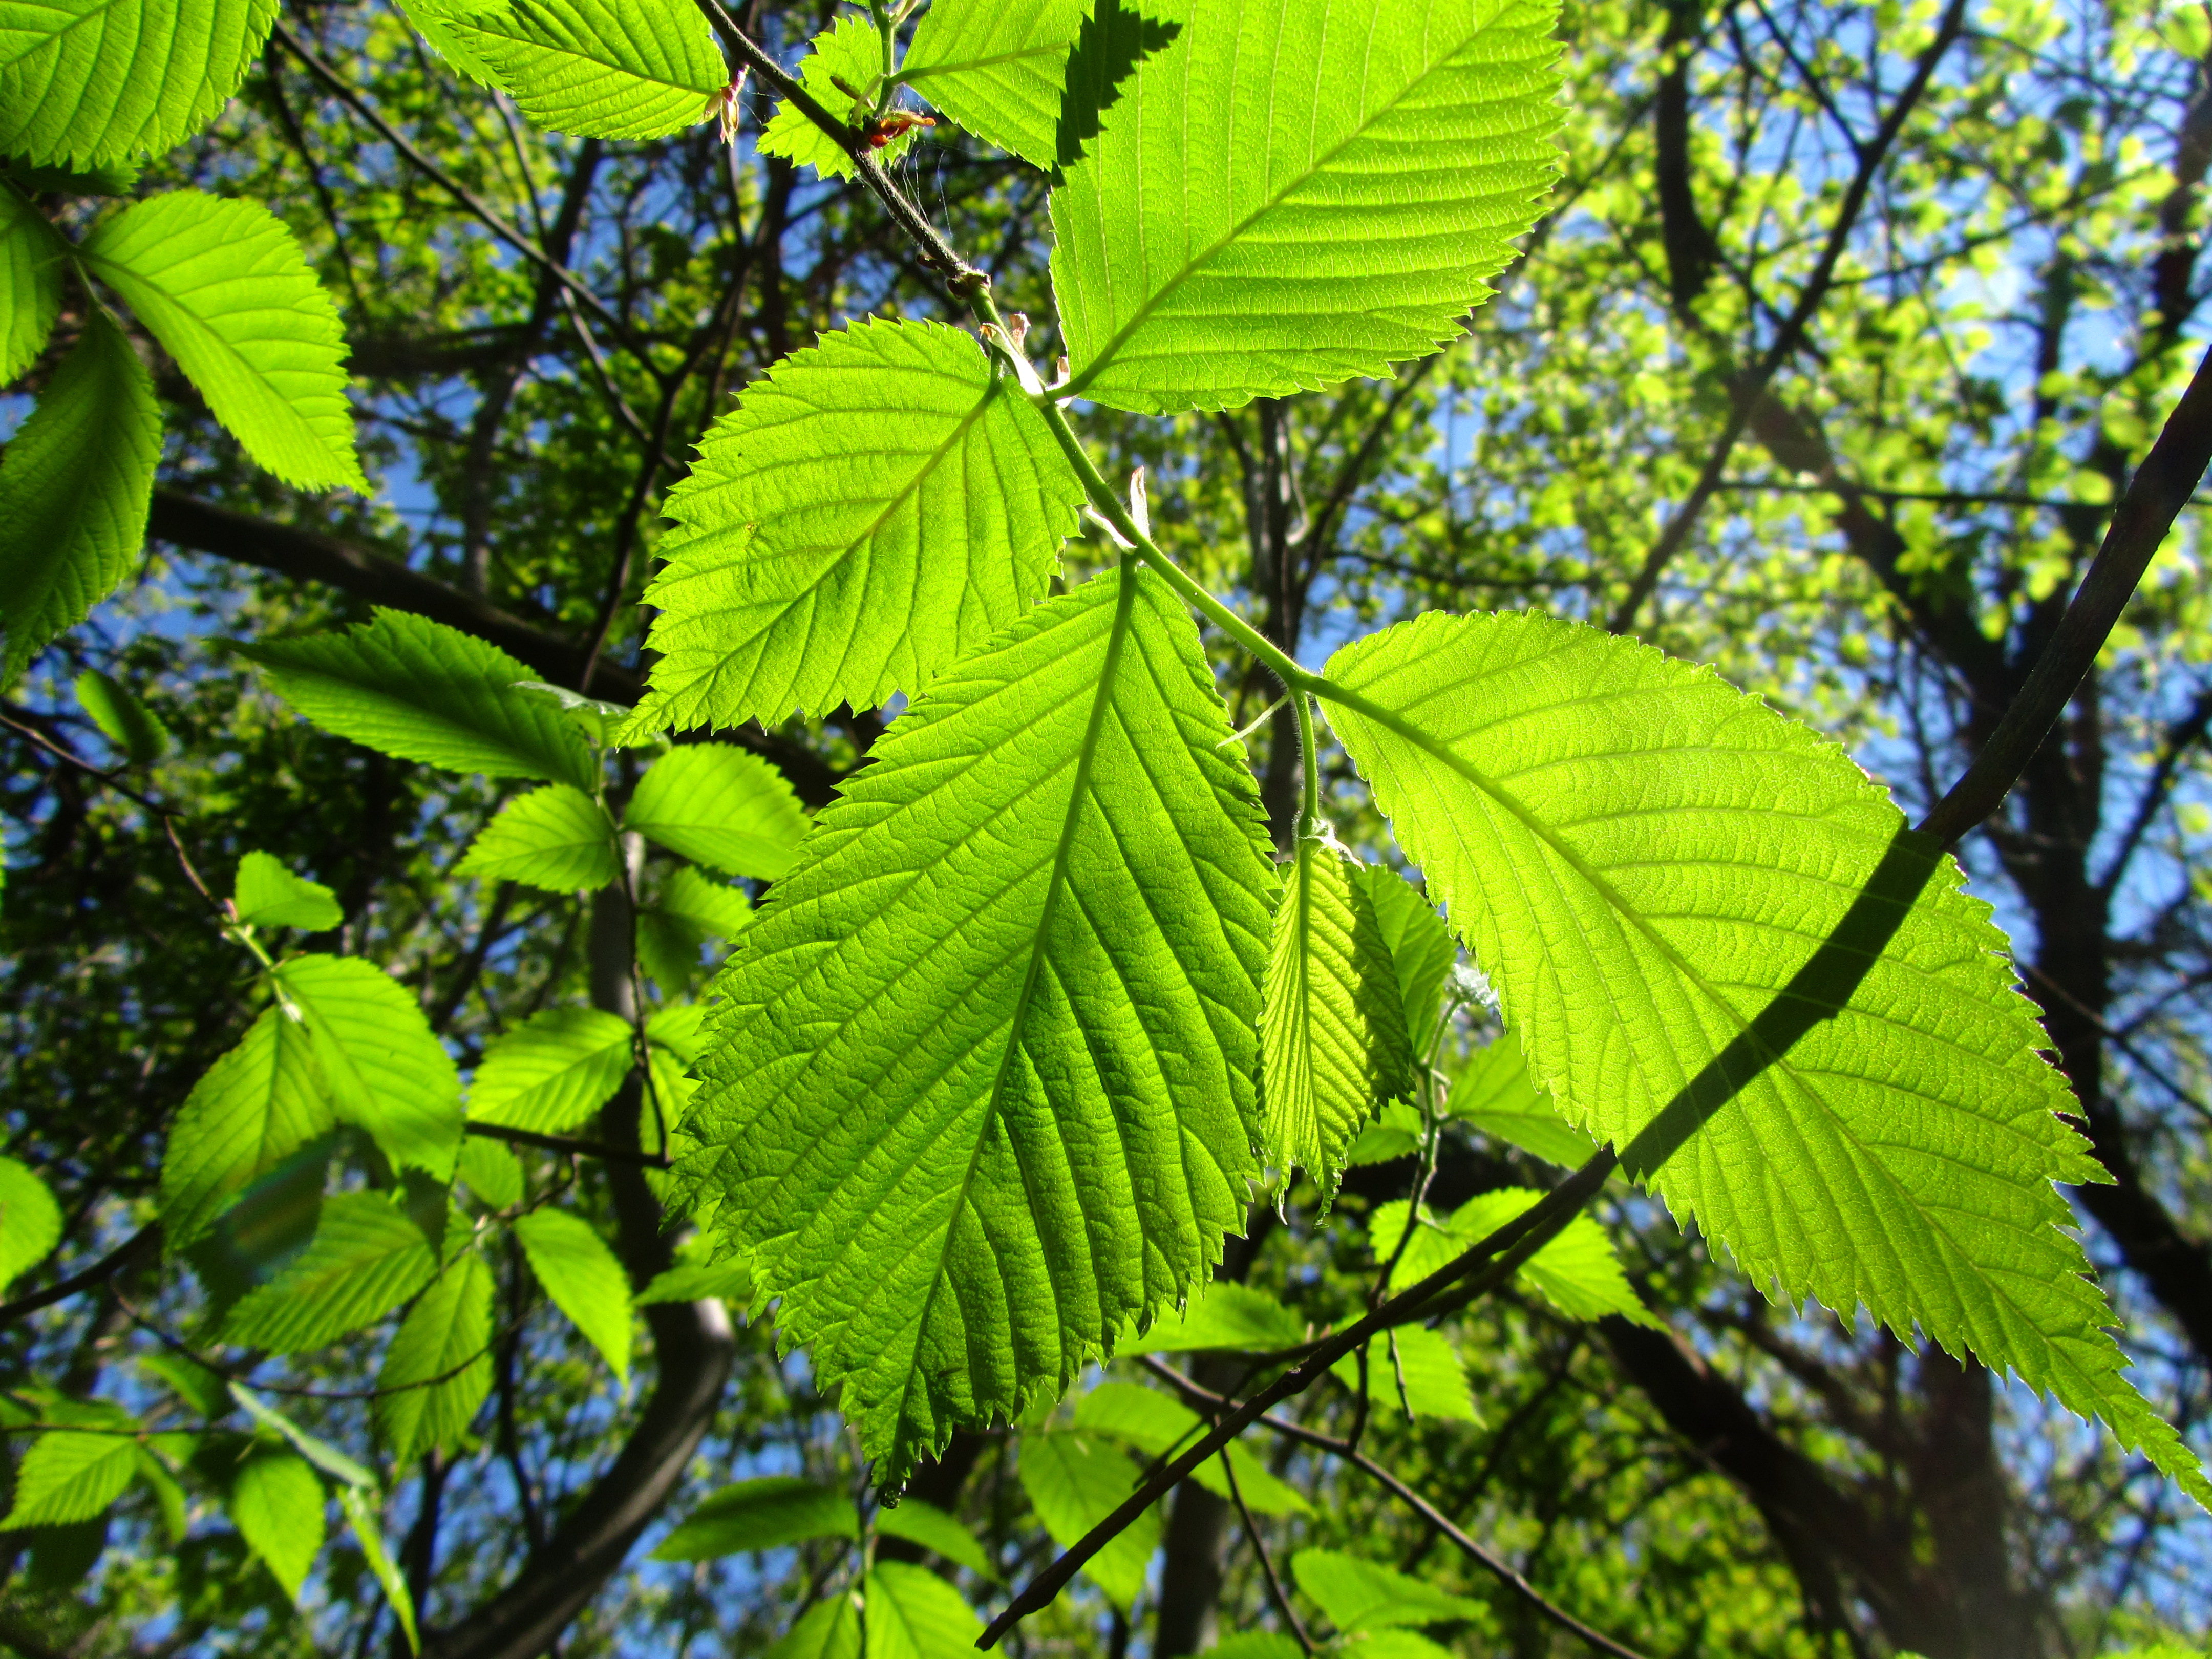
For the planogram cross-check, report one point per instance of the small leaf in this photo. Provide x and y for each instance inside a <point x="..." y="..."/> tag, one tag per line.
<point x="1158" y="1426"/>
<point x="556" y="838"/>
<point x="594" y="68"/>
<point x="1223" y="1315"/>
<point x="997" y="70"/>
<point x="1577" y="1272"/>
<point x="912" y="1614"/>
<point x="30" y="1220"/>
<point x="716" y="910"/>
<point x="697" y="1281"/>
<point x="553" y="1073"/>
<point x="1076" y="1481"/>
<point x="320" y="1452"/>
<point x="70" y="1475"/>
<point x="437" y="1370"/>
<point x="31" y="258"/>
<point x="934" y="1529"/>
<point x="193" y="1382"/>
<point x="1360" y="1595"/>
<point x="75" y="482"/>
<point x="376" y="1060"/>
<point x="1494" y="1093"/>
<point x="1332" y="1031"/>
<point x="1422" y="947"/>
<point x="254" y="1108"/>
<point x="719" y="805"/>
<point x="491" y="1171"/>
<point x="762" y="1514"/>
<point x="86" y="82"/>
<point x="267" y="895"/>
<point x="581" y="1274"/>
<point x="368" y="1533"/>
<point x="1434" y="1380"/>
<point x="850" y="49"/>
<point x="225" y="288"/>
<point x="365" y="1259"/>
<point x="277" y="1503"/>
<point x="425" y="692"/>
<point x="122" y="718"/>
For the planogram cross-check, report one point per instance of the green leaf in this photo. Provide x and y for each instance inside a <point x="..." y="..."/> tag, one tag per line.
<point x="1714" y="931"/>
<point x="76" y="482"/>
<point x="85" y="81"/>
<point x="375" y="1059"/>
<point x="1076" y="1481"/>
<point x="1578" y="1273"/>
<point x="878" y="505"/>
<point x="426" y="692"/>
<point x="368" y="1532"/>
<point x="320" y="1452"/>
<point x="1158" y="1426"/>
<point x="254" y="1108"/>
<point x="556" y="838"/>
<point x="365" y="1259"/>
<point x="1422" y="947"/>
<point x="1332" y="1032"/>
<point x="696" y="1281"/>
<point x="277" y="1503"/>
<point x="191" y="1382"/>
<point x="437" y="1370"/>
<point x="1397" y="1133"/>
<point x="32" y="256"/>
<point x="830" y="1630"/>
<point x="1434" y="1382"/>
<point x="267" y="895"/>
<point x="1494" y="1093"/>
<point x="719" y="805"/>
<point x="642" y="69"/>
<point x="912" y="1614"/>
<point x="492" y="1171"/>
<point x="982" y="1091"/>
<point x="30" y="1220"/>
<point x="579" y="1272"/>
<point x="764" y="1514"/>
<point x="226" y="290"/>
<point x="554" y="1072"/>
<point x="850" y="49"/>
<point x="122" y="718"/>
<point x="934" y="1529"/>
<point x="1300" y="191"/>
<point x="1359" y="1595"/>
<point x="1114" y="39"/>
<point x="1231" y="1316"/>
<point x="715" y="911"/>
<point x="71" y="1475"/>
<point x="997" y="70"/>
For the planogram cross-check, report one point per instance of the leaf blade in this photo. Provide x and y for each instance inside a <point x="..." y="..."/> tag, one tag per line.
<point x="438" y="1369"/>
<point x="581" y="1274"/>
<point x="556" y="838"/>
<point x="365" y="1259"/>
<point x="715" y="803"/>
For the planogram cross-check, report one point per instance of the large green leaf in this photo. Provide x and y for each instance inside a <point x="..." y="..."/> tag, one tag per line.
<point x="982" y="1089"/>
<point x="256" y="1105"/>
<point x="1300" y="191"/>
<point x="557" y="838"/>
<point x="426" y="692"/>
<point x="875" y="507"/>
<point x="437" y="1370"/>
<point x="642" y="69"/>
<point x="1727" y="955"/>
<point x="579" y="1272"/>
<point x="226" y="290"/>
<point x="365" y="1259"/>
<point x="76" y="482"/>
<point x="30" y="1220"/>
<point x="553" y="1072"/>
<point x="376" y="1060"/>
<point x="71" y="1475"/>
<point x="1493" y="1092"/>
<point x="31" y="259"/>
<point x="761" y="1514"/>
<point x="997" y="70"/>
<point x="1076" y="1481"/>
<point x="86" y="81"/>
<point x="1332" y="1034"/>
<point x="719" y="805"/>
<point x="277" y="1502"/>
<point x="912" y="1614"/>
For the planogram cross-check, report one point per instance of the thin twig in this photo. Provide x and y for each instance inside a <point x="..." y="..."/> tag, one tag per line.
<point x="1267" y="1563"/>
<point x="76" y="1284"/>
<point x="563" y="1144"/>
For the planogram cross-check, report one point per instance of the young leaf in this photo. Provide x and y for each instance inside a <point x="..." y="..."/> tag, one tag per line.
<point x="585" y="1281"/>
<point x="877" y="506"/>
<point x="254" y="1108"/>
<point x="762" y="1514"/>
<point x="31" y="259"/>
<point x="425" y="692"/>
<point x="226" y="290"/>
<point x="1300" y="191"/>
<point x="1152" y="1423"/>
<point x="1332" y="1031"/>
<point x="365" y="1259"/>
<point x="714" y="910"/>
<point x="642" y="69"/>
<point x="982" y="1091"/>
<point x="1397" y="1133"/>
<point x="368" y="1533"/>
<point x="491" y="1171"/>
<point x="71" y="1475"/>
<point x="831" y="1630"/>
<point x="1228" y="1317"/>
<point x="88" y="82"/>
<point x="1713" y="932"/>
<point x="912" y="1614"/>
<point x="851" y="51"/>
<point x="1434" y="1382"/>
<point x="267" y="895"/>
<point x="997" y="70"/>
<point x="437" y="1370"/>
<point x="122" y="718"/>
<point x="934" y="1529"/>
<point x="277" y="1503"/>
<point x="375" y="1059"/>
<point x="320" y="1452"/>
<point x="556" y="838"/>
<point x="1577" y="1272"/>
<point x="1358" y="1595"/>
<point x="721" y="806"/>
<point x="1422" y="947"/>
<point x="1494" y="1093"/>
<point x="1074" y="1481"/>
<point x="30" y="1220"/>
<point x="75" y="484"/>
<point x="550" y="1073"/>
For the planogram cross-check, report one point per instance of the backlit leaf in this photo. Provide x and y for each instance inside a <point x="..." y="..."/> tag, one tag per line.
<point x="30" y="1220"/>
<point x="934" y="1529"/>
<point x="124" y="721"/>
<point x="30" y="262"/>
<point x="1358" y="1595"/>
<point x="71" y="1475"/>
<point x="998" y="69"/>
<point x="365" y="1259"/>
<point x="1223" y="1316"/>
<point x="1492" y="1092"/>
<point x="277" y="1502"/>
<point x="642" y="69"/>
<point x="1422" y="947"/>
<point x="556" y="838"/>
<point x="851" y="51"/>
<point x="1417" y="1371"/>
<point x="762" y="1514"/>
<point x="438" y="1369"/>
<point x="581" y="1274"/>
<point x="719" y="805"/>
<point x="267" y="895"/>
<point x="368" y="1533"/>
<point x="1076" y="1481"/>
<point x="376" y="1060"/>
<point x="1150" y="1422"/>
<point x="912" y="1614"/>
<point x="552" y="1073"/>
<point x="255" y="1106"/>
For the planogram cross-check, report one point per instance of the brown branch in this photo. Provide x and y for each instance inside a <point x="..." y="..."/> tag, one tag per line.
<point x="570" y="1146"/>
